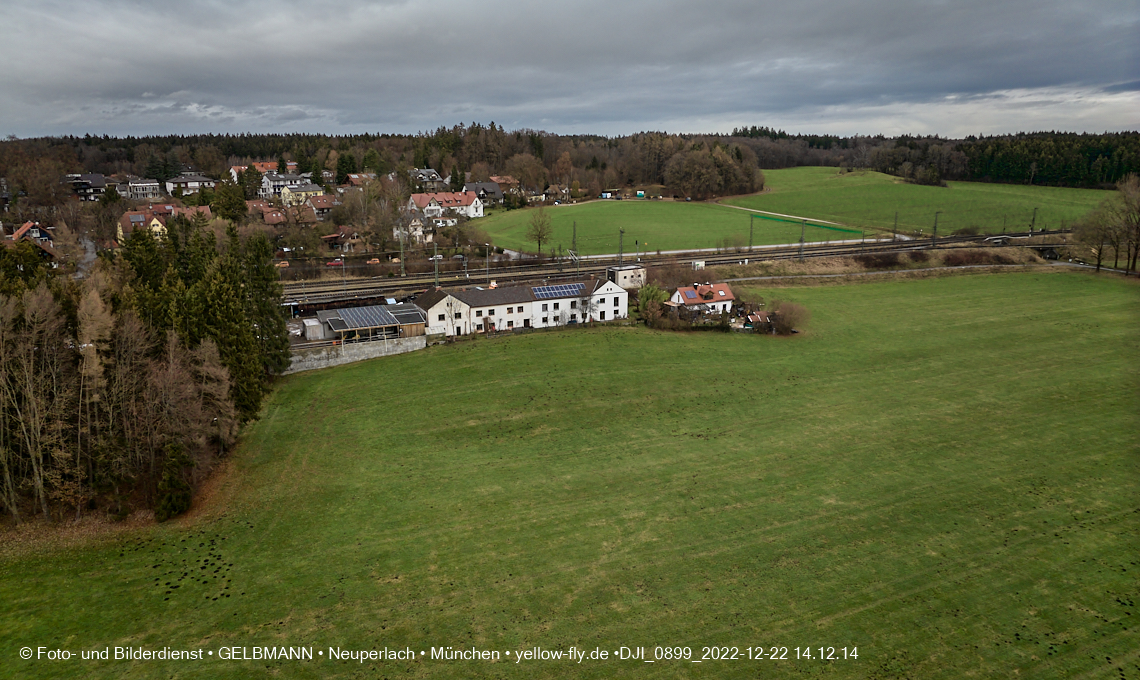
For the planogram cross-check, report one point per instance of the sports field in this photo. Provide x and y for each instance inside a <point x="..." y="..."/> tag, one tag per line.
<point x="869" y="200"/>
<point x="650" y="225"/>
<point x="940" y="473"/>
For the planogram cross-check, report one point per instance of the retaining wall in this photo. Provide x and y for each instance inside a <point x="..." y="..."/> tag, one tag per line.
<point x="324" y="357"/>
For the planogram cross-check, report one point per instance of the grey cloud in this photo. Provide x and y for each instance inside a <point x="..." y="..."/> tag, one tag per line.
<point x="408" y="66"/>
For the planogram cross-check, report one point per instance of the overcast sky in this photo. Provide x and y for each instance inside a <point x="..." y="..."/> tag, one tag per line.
<point x="815" y="66"/>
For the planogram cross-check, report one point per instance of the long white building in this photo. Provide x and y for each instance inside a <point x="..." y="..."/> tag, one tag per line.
<point x="479" y="310"/>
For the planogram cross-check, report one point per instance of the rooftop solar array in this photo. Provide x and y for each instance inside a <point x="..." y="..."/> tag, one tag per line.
<point x="559" y="291"/>
<point x="366" y="317"/>
<point x="406" y="314"/>
<point x="690" y="295"/>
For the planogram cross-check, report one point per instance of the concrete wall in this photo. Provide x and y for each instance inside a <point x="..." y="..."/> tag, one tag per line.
<point x="324" y="357"/>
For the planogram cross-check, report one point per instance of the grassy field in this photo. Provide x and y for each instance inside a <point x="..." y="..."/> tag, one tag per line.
<point x="870" y="200"/>
<point x="663" y="225"/>
<point x="940" y="473"/>
<point x="861" y="200"/>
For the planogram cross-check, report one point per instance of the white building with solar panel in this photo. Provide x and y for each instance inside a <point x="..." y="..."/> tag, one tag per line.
<point x="481" y="310"/>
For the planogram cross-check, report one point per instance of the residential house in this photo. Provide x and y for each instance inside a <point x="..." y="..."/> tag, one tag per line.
<point x="708" y="298"/>
<point x="488" y="192"/>
<point x="480" y="310"/>
<point x="263" y="167"/>
<point x="272" y="184"/>
<point x="358" y="179"/>
<point x="88" y="187"/>
<point x="37" y="235"/>
<point x="414" y="231"/>
<point x="322" y="205"/>
<point x="189" y="184"/>
<point x="427" y="180"/>
<point x="193" y="210"/>
<point x="139" y="189"/>
<point x="343" y="239"/>
<point x="300" y="193"/>
<point x="508" y="184"/>
<point x="465" y="203"/>
<point x="133" y="220"/>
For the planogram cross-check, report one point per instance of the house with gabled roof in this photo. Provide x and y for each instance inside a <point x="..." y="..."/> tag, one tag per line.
<point x="493" y="309"/>
<point x="359" y="179"/>
<point x="465" y="203"/>
<point x="300" y="193"/>
<point x="712" y="298"/>
<point x="427" y="179"/>
<point x="262" y="167"/>
<point x="322" y="205"/>
<point x="189" y="184"/>
<point x="488" y="192"/>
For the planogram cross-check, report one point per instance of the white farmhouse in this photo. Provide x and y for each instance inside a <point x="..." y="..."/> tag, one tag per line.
<point x="711" y="298"/>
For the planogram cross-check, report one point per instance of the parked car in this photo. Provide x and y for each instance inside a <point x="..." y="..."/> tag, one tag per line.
<point x="282" y="264"/>
<point x="374" y="260"/>
<point x="435" y="257"/>
<point x="335" y="263"/>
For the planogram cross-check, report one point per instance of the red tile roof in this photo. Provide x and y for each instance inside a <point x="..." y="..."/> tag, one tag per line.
<point x="447" y="199"/>
<point x="706" y="294"/>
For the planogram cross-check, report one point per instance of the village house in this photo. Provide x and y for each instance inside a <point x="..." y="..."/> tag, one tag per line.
<point x="488" y="192"/>
<point x="262" y="167"/>
<point x="426" y="179"/>
<point x="414" y="231"/>
<point x="707" y="298"/>
<point x="140" y="189"/>
<point x="322" y="205"/>
<point x="189" y="184"/>
<point x="359" y="179"/>
<point x="39" y="236"/>
<point x="464" y="203"/>
<point x="300" y="193"/>
<point x="480" y="310"/>
<point x="506" y="183"/>
<point x="272" y="184"/>
<point x="88" y="187"/>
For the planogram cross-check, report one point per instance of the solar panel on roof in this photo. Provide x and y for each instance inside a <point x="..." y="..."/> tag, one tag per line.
<point x="556" y="291"/>
<point x="691" y="295"/>
<point x="367" y="317"/>
<point x="337" y="325"/>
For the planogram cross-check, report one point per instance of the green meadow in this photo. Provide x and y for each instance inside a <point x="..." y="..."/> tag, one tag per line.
<point x="860" y="201"/>
<point x="940" y="474"/>
<point x="649" y="225"/>
<point x="869" y="200"/>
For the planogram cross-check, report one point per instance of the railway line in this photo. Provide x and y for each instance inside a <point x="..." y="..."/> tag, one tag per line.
<point x="316" y="294"/>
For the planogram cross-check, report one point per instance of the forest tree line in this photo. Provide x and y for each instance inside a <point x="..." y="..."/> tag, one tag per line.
<point x="120" y="390"/>
<point x="696" y="166"/>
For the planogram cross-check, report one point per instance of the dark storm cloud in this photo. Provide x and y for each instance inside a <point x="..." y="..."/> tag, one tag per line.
<point x="879" y="66"/>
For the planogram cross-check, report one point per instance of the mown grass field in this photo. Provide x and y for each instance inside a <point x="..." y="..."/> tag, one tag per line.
<point x="663" y="225"/>
<point x="942" y="473"/>
<point x="865" y="201"/>
<point x="871" y="199"/>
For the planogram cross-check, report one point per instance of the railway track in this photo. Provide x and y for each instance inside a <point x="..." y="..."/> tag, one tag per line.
<point x="317" y="293"/>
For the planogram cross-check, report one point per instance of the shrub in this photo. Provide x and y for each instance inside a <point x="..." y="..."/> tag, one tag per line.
<point x="787" y="316"/>
<point x="918" y="256"/>
<point x="878" y="260"/>
<point x="966" y="231"/>
<point x="964" y="258"/>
